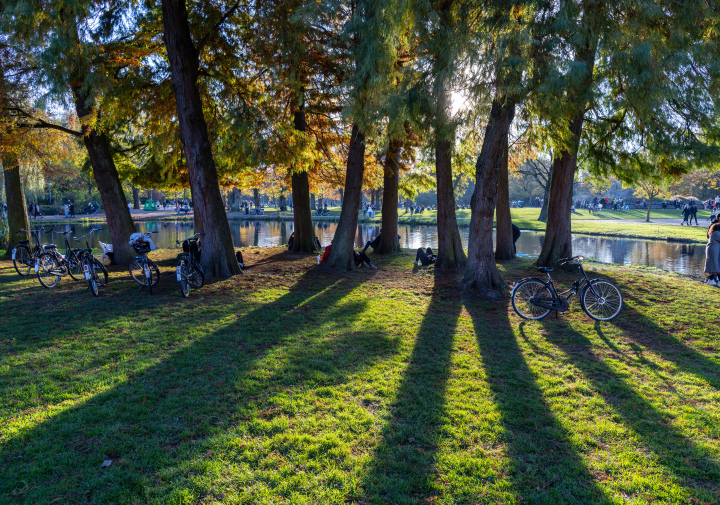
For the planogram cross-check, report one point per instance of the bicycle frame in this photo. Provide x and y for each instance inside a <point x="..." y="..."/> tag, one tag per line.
<point x="576" y="287"/>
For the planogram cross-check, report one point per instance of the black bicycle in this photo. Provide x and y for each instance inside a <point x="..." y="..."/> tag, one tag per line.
<point x="141" y="268"/>
<point x="534" y="298"/>
<point x="92" y="268"/>
<point x="23" y="255"/>
<point x="51" y="266"/>
<point x="189" y="271"/>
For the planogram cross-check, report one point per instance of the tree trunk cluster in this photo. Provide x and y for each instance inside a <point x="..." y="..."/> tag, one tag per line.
<point x="389" y="243"/>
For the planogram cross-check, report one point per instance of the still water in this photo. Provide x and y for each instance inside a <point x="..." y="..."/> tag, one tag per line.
<point x="681" y="258"/>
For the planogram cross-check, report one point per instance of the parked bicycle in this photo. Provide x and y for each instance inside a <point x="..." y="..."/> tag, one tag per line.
<point x="141" y="268"/>
<point x="189" y="271"/>
<point x="23" y="255"/>
<point x="51" y="266"/>
<point x="534" y="298"/>
<point x="91" y="267"/>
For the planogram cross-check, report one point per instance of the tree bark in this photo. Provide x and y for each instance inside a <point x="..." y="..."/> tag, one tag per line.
<point x="136" y="198"/>
<point x="504" y="247"/>
<point x="304" y="241"/>
<point x="558" y="238"/>
<point x="218" y="258"/>
<point x="389" y="243"/>
<point x="451" y="255"/>
<point x="544" y="209"/>
<point x="650" y="199"/>
<point x="341" y="256"/>
<point x="16" y="205"/>
<point x="342" y="192"/>
<point x="117" y="214"/>
<point x="256" y="197"/>
<point x="313" y="203"/>
<point x="481" y="272"/>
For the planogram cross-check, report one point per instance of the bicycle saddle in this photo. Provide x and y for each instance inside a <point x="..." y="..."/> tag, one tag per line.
<point x="50" y="246"/>
<point x="23" y="242"/>
<point x="546" y="269"/>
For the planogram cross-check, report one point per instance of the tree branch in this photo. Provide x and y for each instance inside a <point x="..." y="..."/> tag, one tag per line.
<point x="203" y="42"/>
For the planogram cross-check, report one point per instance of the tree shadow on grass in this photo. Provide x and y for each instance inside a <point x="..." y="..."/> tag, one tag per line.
<point x="160" y="416"/>
<point x="401" y="471"/>
<point x="694" y="467"/>
<point x="544" y="466"/>
<point x="648" y="333"/>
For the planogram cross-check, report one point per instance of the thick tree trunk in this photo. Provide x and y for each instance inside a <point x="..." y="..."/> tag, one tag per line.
<point x="558" y="239"/>
<point x="389" y="243"/>
<point x="15" y="197"/>
<point x="136" y="198"/>
<point x="304" y="241"/>
<point x="342" y="191"/>
<point x="450" y="249"/>
<point x="481" y="272"/>
<point x="504" y="247"/>
<point x="218" y="258"/>
<point x="256" y="198"/>
<point x="341" y="256"/>
<point x="546" y="195"/>
<point x="117" y="214"/>
<point x="313" y="203"/>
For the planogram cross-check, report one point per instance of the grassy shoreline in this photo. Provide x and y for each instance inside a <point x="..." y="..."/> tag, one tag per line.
<point x="290" y="385"/>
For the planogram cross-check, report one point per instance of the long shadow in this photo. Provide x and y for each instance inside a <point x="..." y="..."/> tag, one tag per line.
<point x="401" y="469"/>
<point x="693" y="466"/>
<point x="647" y="333"/>
<point x="161" y="416"/>
<point x="544" y="465"/>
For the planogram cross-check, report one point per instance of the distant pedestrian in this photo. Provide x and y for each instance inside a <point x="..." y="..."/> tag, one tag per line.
<point x="686" y="214"/>
<point x="693" y="213"/>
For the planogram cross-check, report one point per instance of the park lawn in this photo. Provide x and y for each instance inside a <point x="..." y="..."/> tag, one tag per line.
<point x="289" y="385"/>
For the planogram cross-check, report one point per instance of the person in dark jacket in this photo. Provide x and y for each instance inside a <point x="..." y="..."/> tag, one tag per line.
<point x="425" y="257"/>
<point x="686" y="214"/>
<point x="516" y="236"/>
<point x="693" y="214"/>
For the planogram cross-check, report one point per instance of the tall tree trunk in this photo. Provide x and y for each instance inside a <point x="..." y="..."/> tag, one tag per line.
<point x="650" y="199"/>
<point x="505" y="247"/>
<point x="558" y="239"/>
<point x="546" y="194"/>
<point x="389" y="243"/>
<point x="256" y="198"/>
<point x="136" y="198"/>
<point x="341" y="256"/>
<point x="450" y="254"/>
<point x="117" y="214"/>
<point x="313" y="203"/>
<point x="15" y="197"/>
<point x="304" y="241"/>
<point x="481" y="272"/>
<point x="342" y="192"/>
<point x="218" y="257"/>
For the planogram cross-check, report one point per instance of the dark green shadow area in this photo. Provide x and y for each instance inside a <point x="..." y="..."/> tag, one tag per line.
<point x="162" y="417"/>
<point x="694" y="468"/>
<point x="401" y="471"/>
<point x="666" y="344"/>
<point x="544" y="466"/>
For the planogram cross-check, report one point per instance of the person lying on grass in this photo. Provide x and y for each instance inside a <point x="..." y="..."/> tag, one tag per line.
<point x="361" y="259"/>
<point x="425" y="257"/>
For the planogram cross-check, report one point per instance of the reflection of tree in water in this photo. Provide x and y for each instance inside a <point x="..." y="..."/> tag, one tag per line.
<point x="256" y="237"/>
<point x="283" y="233"/>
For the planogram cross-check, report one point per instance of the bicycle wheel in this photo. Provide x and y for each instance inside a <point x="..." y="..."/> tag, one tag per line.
<point x="182" y="277"/>
<point x="136" y="271"/>
<point x="75" y="268"/>
<point x="92" y="277"/>
<point x="197" y="277"/>
<point x="154" y="271"/>
<point x="605" y="303"/>
<point x="48" y="267"/>
<point x="526" y="291"/>
<point x="101" y="272"/>
<point x="22" y="260"/>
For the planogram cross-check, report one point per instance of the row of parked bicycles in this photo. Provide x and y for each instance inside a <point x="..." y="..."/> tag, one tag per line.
<point x="50" y="265"/>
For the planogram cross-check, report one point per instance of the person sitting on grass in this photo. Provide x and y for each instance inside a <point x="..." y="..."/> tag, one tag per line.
<point x="425" y="257"/>
<point x="375" y="243"/>
<point x="712" y="256"/>
<point x="239" y="257"/>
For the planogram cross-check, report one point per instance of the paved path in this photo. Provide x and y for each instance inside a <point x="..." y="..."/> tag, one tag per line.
<point x="663" y="222"/>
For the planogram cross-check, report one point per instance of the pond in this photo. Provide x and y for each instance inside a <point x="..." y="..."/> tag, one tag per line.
<point x="682" y="258"/>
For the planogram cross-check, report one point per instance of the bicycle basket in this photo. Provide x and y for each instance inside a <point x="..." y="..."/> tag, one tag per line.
<point x="192" y="246"/>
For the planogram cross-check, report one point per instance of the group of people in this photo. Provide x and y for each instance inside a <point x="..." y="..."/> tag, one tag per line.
<point x="689" y="212"/>
<point x="368" y="210"/>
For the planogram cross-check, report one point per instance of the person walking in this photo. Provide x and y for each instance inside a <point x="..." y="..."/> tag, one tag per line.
<point x="686" y="214"/>
<point x="693" y="214"/>
<point x="712" y="256"/>
<point x="71" y="208"/>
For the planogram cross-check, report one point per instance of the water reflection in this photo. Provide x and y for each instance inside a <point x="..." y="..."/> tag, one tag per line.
<point x="682" y="258"/>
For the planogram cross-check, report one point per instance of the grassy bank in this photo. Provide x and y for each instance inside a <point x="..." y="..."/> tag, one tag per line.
<point x="287" y="385"/>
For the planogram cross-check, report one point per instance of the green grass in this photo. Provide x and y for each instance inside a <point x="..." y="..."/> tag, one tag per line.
<point x="288" y="385"/>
